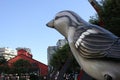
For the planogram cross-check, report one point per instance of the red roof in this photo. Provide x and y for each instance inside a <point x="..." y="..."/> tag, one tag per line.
<point x="42" y="67"/>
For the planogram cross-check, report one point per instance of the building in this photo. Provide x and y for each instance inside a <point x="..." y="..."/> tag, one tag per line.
<point x="7" y="53"/>
<point x="52" y="49"/>
<point x="25" y="53"/>
<point x="61" y="42"/>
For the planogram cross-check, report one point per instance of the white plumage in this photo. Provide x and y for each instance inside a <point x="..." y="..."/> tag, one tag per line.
<point x="96" y="50"/>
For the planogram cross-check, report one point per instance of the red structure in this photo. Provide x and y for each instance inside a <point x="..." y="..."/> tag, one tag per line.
<point x="24" y="53"/>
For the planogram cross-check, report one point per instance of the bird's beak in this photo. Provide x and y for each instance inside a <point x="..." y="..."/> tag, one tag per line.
<point x="50" y="24"/>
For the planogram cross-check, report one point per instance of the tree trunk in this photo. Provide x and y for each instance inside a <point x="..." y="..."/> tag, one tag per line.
<point x="65" y="67"/>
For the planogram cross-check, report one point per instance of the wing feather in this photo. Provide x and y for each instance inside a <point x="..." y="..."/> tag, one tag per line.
<point x="95" y="43"/>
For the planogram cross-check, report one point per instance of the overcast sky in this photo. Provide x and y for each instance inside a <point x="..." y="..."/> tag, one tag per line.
<point x="23" y="23"/>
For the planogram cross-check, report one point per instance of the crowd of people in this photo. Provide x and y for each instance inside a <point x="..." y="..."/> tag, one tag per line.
<point x="18" y="77"/>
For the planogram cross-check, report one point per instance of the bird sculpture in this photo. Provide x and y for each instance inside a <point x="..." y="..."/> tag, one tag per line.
<point x="96" y="49"/>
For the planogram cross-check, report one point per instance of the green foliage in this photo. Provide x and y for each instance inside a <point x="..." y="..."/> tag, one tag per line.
<point x="22" y="63"/>
<point x="110" y="15"/>
<point x="60" y="57"/>
<point x="3" y="65"/>
<point x="2" y="60"/>
<point x="21" y="66"/>
<point x="94" y="19"/>
<point x="4" y="69"/>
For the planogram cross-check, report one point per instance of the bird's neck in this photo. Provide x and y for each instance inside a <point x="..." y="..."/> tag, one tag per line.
<point x="63" y="30"/>
<point x="76" y="54"/>
<point x="71" y="32"/>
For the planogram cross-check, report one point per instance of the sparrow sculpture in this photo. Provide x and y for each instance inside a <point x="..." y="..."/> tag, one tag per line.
<point x="96" y="49"/>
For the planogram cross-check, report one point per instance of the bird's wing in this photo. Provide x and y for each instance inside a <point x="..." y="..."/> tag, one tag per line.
<point x="93" y="42"/>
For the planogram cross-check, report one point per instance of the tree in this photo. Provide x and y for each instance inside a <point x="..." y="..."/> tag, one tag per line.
<point x="3" y="65"/>
<point x="110" y="15"/>
<point x="2" y="60"/>
<point x="21" y="66"/>
<point x="59" y="57"/>
<point x="62" y="60"/>
<point x="4" y="68"/>
<point x="94" y="19"/>
<point x="21" y="63"/>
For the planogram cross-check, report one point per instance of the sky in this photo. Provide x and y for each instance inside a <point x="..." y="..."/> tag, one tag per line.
<point x="23" y="23"/>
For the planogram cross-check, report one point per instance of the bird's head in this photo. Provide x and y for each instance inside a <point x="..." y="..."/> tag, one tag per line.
<point x="63" y="20"/>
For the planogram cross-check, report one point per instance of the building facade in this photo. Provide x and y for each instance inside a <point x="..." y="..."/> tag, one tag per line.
<point x="25" y="54"/>
<point x="7" y="53"/>
<point x="52" y="49"/>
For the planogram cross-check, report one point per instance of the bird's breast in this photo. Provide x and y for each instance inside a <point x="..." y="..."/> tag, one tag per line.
<point x="97" y="68"/>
